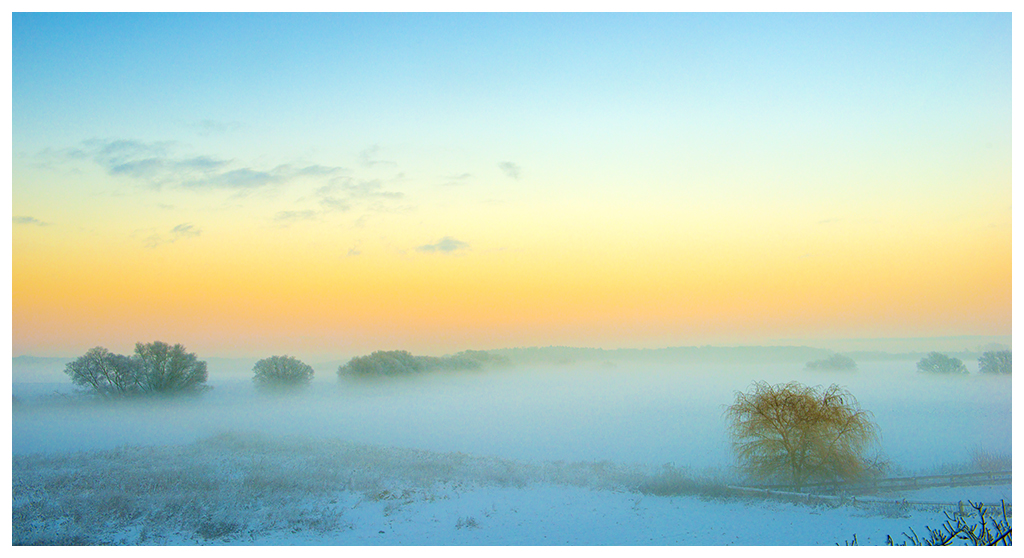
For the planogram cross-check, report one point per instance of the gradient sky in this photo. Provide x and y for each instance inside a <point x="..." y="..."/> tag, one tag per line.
<point x="323" y="185"/>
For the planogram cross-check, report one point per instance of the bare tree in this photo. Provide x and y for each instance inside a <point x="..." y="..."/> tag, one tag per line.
<point x="799" y="433"/>
<point x="168" y="369"/>
<point x="108" y="374"/>
<point x="279" y="372"/>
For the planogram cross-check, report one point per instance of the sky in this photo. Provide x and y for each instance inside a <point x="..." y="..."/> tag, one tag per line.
<point x="318" y="185"/>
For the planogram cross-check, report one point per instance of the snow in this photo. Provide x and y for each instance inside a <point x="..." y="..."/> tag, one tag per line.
<point x="534" y="456"/>
<point x="259" y="489"/>
<point x="559" y="515"/>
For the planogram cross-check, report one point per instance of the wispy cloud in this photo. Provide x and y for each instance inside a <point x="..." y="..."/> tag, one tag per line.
<point x="293" y="216"/>
<point x="26" y="220"/>
<point x="368" y="158"/>
<point x="510" y="169"/>
<point x="240" y="179"/>
<point x="179" y="232"/>
<point x="209" y="127"/>
<point x="456" y="179"/>
<point x="155" y="164"/>
<point x="199" y="164"/>
<point x="331" y="203"/>
<point x="446" y="245"/>
<point x="160" y="165"/>
<point x="357" y="188"/>
<point x="185" y="230"/>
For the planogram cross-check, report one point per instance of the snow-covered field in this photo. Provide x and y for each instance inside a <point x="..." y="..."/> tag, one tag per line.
<point x="541" y="456"/>
<point x="275" y="490"/>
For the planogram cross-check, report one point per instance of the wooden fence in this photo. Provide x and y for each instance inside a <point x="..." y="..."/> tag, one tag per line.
<point x="954" y="508"/>
<point x="895" y="484"/>
<point x="852" y="493"/>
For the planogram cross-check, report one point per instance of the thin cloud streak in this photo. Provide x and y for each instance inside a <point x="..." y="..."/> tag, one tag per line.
<point x="293" y="216"/>
<point x="154" y="164"/>
<point x="26" y="220"/>
<point x="210" y="127"/>
<point x="446" y="245"/>
<point x="178" y="232"/>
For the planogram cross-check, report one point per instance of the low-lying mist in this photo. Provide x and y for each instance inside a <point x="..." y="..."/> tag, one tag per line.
<point x="631" y="413"/>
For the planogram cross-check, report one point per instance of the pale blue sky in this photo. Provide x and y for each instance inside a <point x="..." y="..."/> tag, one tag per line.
<point x="500" y="76"/>
<point x="738" y="160"/>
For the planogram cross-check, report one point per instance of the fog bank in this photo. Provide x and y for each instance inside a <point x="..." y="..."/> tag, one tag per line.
<point x="626" y="413"/>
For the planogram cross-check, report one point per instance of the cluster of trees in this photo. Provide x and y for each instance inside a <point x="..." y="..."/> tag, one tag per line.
<point x="995" y="362"/>
<point x="398" y="363"/>
<point x="834" y="362"/>
<point x="155" y="368"/>
<point x="798" y="434"/>
<point x="159" y="368"/>
<point x="938" y="363"/>
<point x="280" y="373"/>
<point x="992" y="362"/>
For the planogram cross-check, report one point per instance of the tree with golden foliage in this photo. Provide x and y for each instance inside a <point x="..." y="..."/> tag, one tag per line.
<point x="799" y="434"/>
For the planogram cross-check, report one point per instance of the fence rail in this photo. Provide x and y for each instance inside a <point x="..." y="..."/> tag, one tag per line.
<point x="897" y="483"/>
<point x="958" y="508"/>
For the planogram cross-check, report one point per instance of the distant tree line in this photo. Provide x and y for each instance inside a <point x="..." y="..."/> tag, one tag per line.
<point x="834" y="362"/>
<point x="992" y="362"/>
<point x="159" y="368"/>
<point x="399" y="363"/>
<point x="154" y="369"/>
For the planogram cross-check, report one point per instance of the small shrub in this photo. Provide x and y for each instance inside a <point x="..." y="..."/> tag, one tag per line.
<point x="983" y="461"/>
<point x="938" y="363"/>
<point x="210" y="529"/>
<point x="281" y="372"/>
<point x="989" y="530"/>
<point x="995" y="362"/>
<point x="670" y="481"/>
